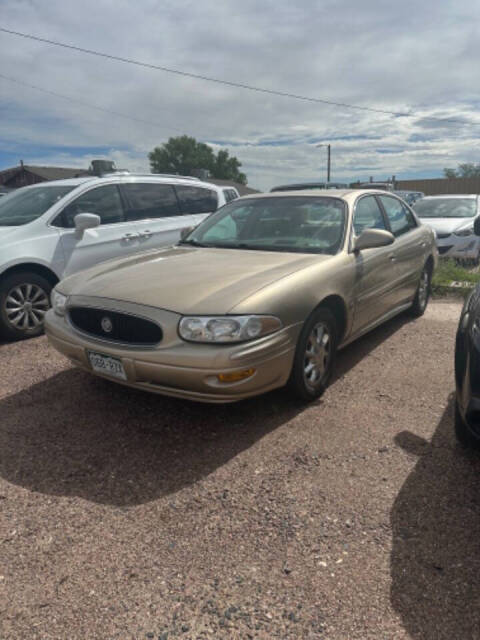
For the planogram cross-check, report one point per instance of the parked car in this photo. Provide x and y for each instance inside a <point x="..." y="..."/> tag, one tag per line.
<point x="51" y="230"/>
<point x="467" y="366"/>
<point x="259" y="295"/>
<point x="410" y="197"/>
<point x="384" y="186"/>
<point x="452" y="218"/>
<point x="300" y="186"/>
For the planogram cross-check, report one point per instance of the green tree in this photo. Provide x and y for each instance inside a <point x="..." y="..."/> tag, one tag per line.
<point x="465" y="170"/>
<point x="184" y="154"/>
<point x="228" y="168"/>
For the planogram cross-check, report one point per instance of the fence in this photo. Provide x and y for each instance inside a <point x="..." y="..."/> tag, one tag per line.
<point x="440" y="186"/>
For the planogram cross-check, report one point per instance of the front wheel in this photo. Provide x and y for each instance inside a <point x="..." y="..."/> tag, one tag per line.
<point x="24" y="301"/>
<point x="462" y="433"/>
<point x="314" y="356"/>
<point x="423" y="293"/>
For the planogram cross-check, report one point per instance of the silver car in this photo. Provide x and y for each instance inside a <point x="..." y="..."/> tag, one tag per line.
<point x="452" y="218"/>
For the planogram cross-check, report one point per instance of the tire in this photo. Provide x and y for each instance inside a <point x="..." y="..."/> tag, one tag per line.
<point x="422" y="295"/>
<point x="24" y="300"/>
<point x="462" y="433"/>
<point x="314" y="356"/>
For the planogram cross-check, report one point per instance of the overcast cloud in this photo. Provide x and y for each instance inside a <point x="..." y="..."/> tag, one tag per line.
<point x="405" y="57"/>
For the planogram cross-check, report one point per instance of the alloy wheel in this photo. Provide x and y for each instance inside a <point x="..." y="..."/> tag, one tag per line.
<point x="317" y="355"/>
<point x="423" y="289"/>
<point x="25" y="306"/>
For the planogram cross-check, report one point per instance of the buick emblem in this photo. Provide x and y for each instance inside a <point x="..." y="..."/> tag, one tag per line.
<point x="107" y="324"/>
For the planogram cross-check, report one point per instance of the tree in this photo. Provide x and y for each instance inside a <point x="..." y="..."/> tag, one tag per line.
<point x="228" y="168"/>
<point x="465" y="170"/>
<point x="184" y="154"/>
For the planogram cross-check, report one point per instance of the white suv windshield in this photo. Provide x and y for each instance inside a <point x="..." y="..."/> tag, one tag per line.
<point x="26" y="205"/>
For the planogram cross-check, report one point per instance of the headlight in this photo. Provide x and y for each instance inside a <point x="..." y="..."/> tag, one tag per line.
<point x="227" y="328"/>
<point x="468" y="231"/>
<point x="59" y="302"/>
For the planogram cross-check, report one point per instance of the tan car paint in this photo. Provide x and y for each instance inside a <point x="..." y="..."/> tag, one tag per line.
<point x="164" y="285"/>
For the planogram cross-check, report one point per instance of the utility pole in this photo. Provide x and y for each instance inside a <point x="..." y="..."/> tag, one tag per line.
<point x="328" y="158"/>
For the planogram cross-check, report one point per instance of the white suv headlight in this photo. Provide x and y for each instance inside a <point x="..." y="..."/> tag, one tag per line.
<point x="59" y="302"/>
<point x="466" y="231"/>
<point x="226" y="328"/>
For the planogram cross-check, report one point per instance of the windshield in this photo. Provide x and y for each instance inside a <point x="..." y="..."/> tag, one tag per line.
<point x="446" y="208"/>
<point x="297" y="223"/>
<point x="26" y="205"/>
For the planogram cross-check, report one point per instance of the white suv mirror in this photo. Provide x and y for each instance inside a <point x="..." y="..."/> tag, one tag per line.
<point x="85" y="221"/>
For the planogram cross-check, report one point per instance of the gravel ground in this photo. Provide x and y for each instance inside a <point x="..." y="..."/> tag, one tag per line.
<point x="125" y="515"/>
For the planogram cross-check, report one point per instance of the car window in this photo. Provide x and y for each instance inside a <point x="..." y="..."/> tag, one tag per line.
<point x="368" y="215"/>
<point x="196" y="199"/>
<point x="446" y="207"/>
<point x="300" y="224"/>
<point x="26" y="205"/>
<point x="400" y="218"/>
<point x="147" y="200"/>
<point x="229" y="195"/>
<point x="104" y="201"/>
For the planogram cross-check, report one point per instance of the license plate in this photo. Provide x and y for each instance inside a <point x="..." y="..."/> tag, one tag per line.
<point x="107" y="365"/>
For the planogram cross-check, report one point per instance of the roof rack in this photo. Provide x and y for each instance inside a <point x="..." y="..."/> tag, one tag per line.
<point x="147" y="175"/>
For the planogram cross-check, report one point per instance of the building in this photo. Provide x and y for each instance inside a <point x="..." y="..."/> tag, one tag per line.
<point x="25" y="174"/>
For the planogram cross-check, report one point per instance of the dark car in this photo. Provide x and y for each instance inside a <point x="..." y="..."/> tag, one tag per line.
<point x="467" y="372"/>
<point x="300" y="186"/>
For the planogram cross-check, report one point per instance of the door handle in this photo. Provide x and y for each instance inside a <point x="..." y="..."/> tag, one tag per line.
<point x="146" y="234"/>
<point x="129" y="236"/>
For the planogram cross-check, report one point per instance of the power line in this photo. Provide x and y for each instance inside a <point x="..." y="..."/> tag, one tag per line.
<point x="229" y="83"/>
<point x="88" y="104"/>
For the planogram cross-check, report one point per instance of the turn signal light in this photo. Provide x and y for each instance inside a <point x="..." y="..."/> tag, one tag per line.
<point x="235" y="376"/>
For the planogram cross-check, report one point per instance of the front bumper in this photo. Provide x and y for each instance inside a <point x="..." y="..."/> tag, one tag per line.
<point x="459" y="247"/>
<point x="185" y="370"/>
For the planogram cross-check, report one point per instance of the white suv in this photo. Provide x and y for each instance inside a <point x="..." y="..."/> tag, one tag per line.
<point x="51" y="230"/>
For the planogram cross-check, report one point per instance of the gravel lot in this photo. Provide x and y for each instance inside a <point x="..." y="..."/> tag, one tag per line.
<point x="125" y="515"/>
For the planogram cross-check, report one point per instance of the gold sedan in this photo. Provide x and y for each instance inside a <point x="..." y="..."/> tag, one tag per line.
<point x="258" y="296"/>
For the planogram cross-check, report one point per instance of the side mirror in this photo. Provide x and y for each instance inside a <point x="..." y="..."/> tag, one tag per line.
<point x="85" y="221"/>
<point x="476" y="226"/>
<point x="372" y="239"/>
<point x="185" y="232"/>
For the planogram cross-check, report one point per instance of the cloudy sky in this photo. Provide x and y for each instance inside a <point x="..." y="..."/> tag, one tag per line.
<point x="408" y="57"/>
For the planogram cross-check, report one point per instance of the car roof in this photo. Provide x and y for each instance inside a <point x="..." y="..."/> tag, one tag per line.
<point x="344" y="194"/>
<point x="128" y="178"/>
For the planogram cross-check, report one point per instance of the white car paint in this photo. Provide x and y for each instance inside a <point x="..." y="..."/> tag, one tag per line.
<point x="449" y="243"/>
<point x="41" y="242"/>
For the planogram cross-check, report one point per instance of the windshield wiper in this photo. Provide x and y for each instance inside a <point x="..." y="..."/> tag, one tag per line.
<point x="194" y="243"/>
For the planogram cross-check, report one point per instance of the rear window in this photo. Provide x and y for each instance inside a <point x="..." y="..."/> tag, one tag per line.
<point x="26" y="205"/>
<point x="196" y="199"/>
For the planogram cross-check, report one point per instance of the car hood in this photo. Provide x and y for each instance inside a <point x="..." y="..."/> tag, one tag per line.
<point x="188" y="280"/>
<point x="446" y="225"/>
<point x="7" y="231"/>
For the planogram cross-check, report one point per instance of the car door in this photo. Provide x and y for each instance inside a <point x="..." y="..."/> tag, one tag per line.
<point x="154" y="209"/>
<point x="374" y="268"/>
<point x="198" y="202"/>
<point x="115" y="237"/>
<point x="408" y="249"/>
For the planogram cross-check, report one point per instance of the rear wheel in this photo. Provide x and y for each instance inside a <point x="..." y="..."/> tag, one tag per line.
<point x="24" y="301"/>
<point x="423" y="292"/>
<point x="314" y="356"/>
